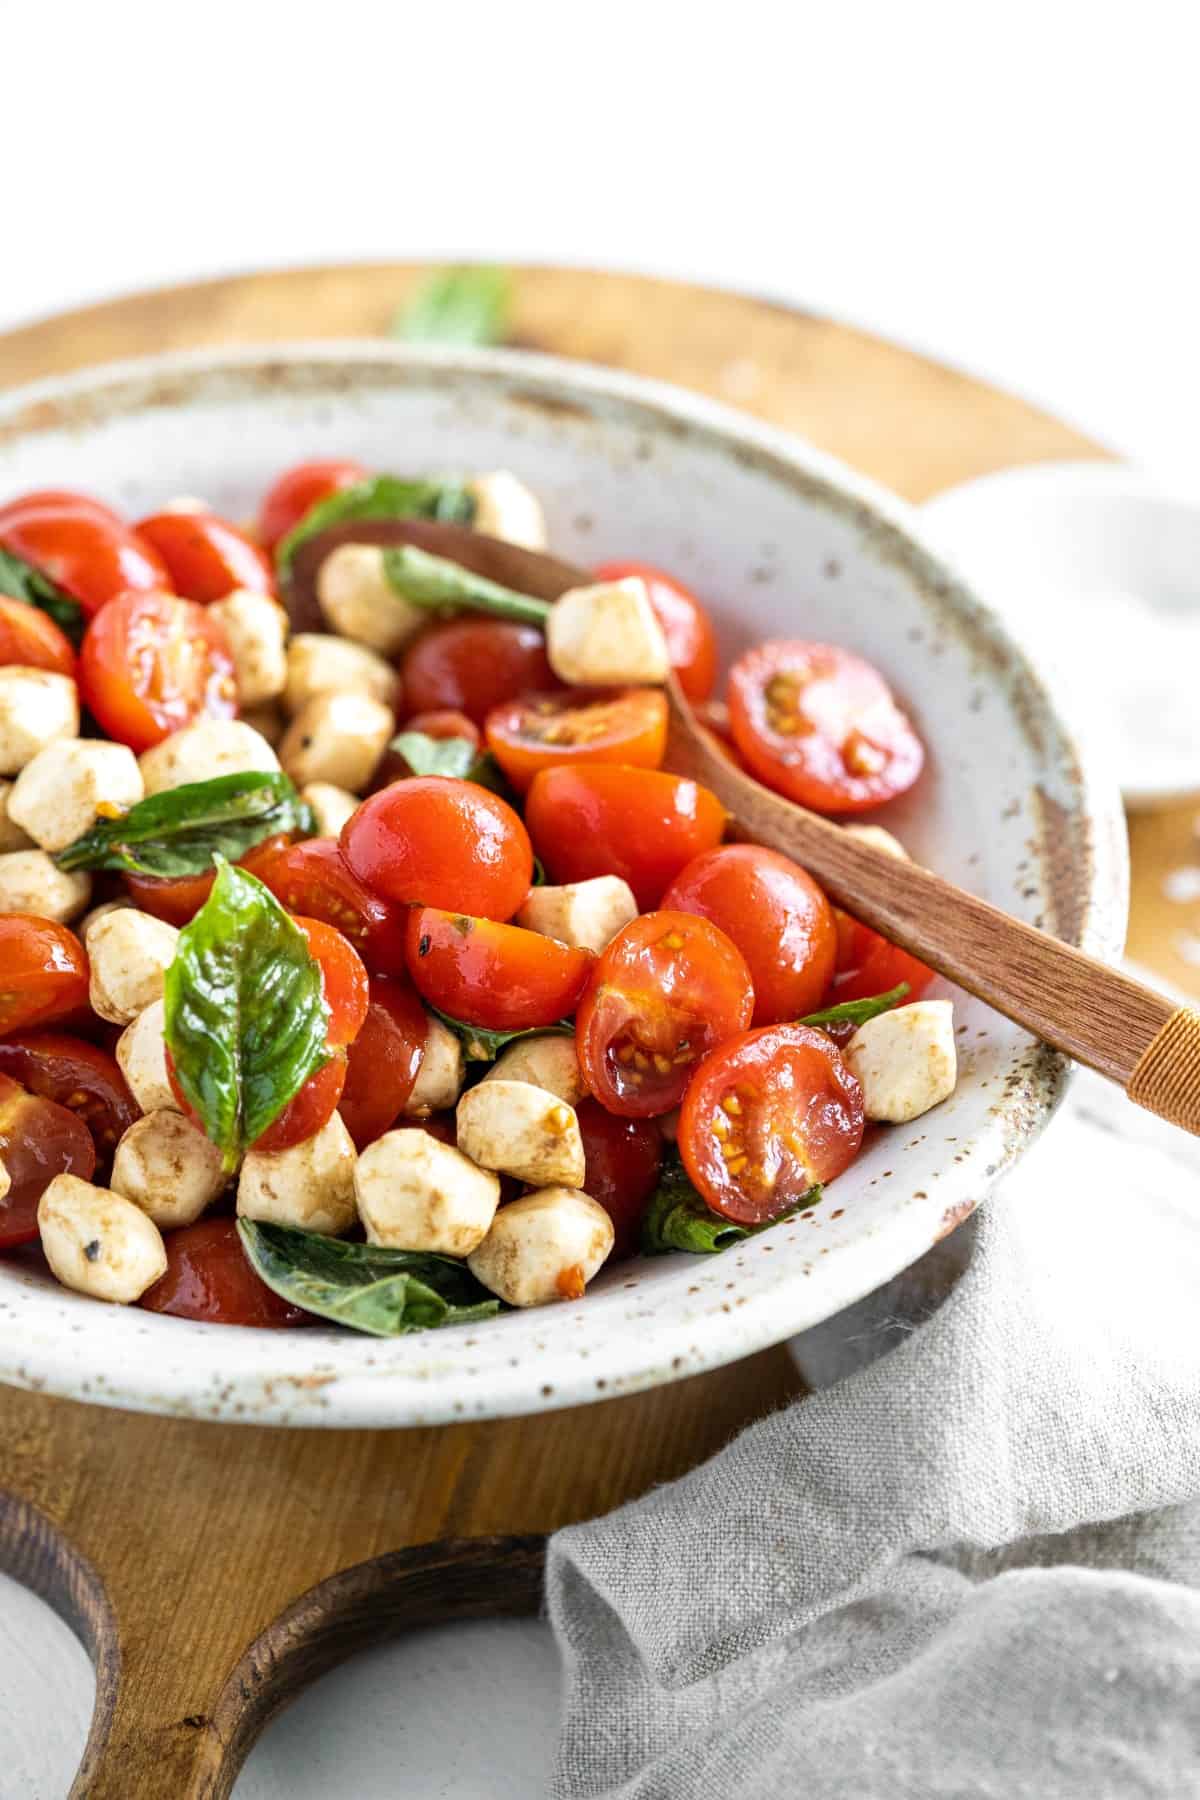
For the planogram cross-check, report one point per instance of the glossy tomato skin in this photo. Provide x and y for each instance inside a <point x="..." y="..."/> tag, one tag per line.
<point x="434" y="841"/>
<point x="343" y="981"/>
<point x="151" y="664"/>
<point x="38" y="1140"/>
<point x="820" y="726"/>
<point x="445" y="724"/>
<point x="472" y="665"/>
<point x="59" y="500"/>
<point x="32" y="639"/>
<point x="384" y="1060"/>
<point x="498" y="976"/>
<point x="208" y="1278"/>
<point x="867" y="964"/>
<point x="315" y="879"/>
<point x="86" y="555"/>
<point x="297" y="491"/>
<point x="691" y="640"/>
<point x="80" y="1076"/>
<point x="178" y="899"/>
<point x="642" y="824"/>
<point x="205" y="556"/>
<point x="545" y="731"/>
<point x="765" y="1116"/>
<point x="776" y="915"/>
<point x="622" y="1158"/>
<point x="668" y="989"/>
<point x="310" y="1109"/>
<point x="43" y="972"/>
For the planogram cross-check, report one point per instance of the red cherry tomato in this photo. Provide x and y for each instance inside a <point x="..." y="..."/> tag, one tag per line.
<point x="77" y="1075"/>
<point x="178" y="899"/>
<point x="86" y="555"/>
<point x="820" y="726"/>
<point x="315" y="879"/>
<point x="343" y="981"/>
<point x="43" y="972"/>
<point x="434" y="841"/>
<point x="38" y="1140"/>
<point x="208" y="1278"/>
<point x="867" y="964"/>
<point x="473" y="665"/>
<point x="691" y="640"/>
<point x="625" y="725"/>
<point x="776" y="915"/>
<point x="665" y="992"/>
<point x="151" y="664"/>
<point x="621" y="1163"/>
<point x="498" y="976"/>
<point x="310" y="1109"/>
<point x="642" y="824"/>
<point x="31" y="638"/>
<point x="765" y="1116"/>
<point x="384" y="1060"/>
<point x="59" y="500"/>
<point x="445" y="724"/>
<point x="205" y="556"/>
<point x="297" y="491"/>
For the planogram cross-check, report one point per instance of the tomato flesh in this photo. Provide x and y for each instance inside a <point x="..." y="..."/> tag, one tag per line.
<point x="30" y="638"/>
<point x="151" y="664"/>
<point x="178" y="899"/>
<point x="205" y="556"/>
<point x="88" y="556"/>
<point x="621" y="1163"/>
<point x="298" y="490"/>
<point x="691" y="640"/>
<point x="472" y="665"/>
<point x="435" y="841"/>
<point x="642" y="824"/>
<point x="75" y="1074"/>
<point x="867" y="964"/>
<point x="498" y="976"/>
<point x="315" y="879"/>
<point x="542" y="731"/>
<point x="43" y="972"/>
<point x="38" y="1140"/>
<point x="384" y="1060"/>
<point x="208" y="1278"/>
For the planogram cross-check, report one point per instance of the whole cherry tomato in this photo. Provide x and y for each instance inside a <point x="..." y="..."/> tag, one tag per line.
<point x="205" y="556"/>
<point x="820" y="726"/>
<point x="59" y="500"/>
<point x="310" y="1109"/>
<point x="642" y="824"/>
<point x="665" y="992"/>
<point x="626" y="725"/>
<point x="445" y="724"/>
<point x="867" y="964"/>
<point x="86" y="555"/>
<point x="31" y="638"/>
<point x="77" y="1075"/>
<point x="776" y="915"/>
<point x="384" y="1060"/>
<point x="178" y="899"/>
<point x="315" y="879"/>
<point x="473" y="665"/>
<point x="621" y="1164"/>
<point x="208" y="1278"/>
<point x="38" y="1140"/>
<point x="43" y="972"/>
<point x="151" y="664"/>
<point x="434" y="841"/>
<point x="298" y="490"/>
<point x="498" y="976"/>
<point x="765" y="1116"/>
<point x="691" y="640"/>
<point x="343" y="981"/>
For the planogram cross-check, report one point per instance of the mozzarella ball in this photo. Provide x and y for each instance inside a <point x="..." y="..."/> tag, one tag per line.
<point x="416" y="1193"/>
<point x="5" y="1181"/>
<point x="32" y="882"/>
<point x="129" y="952"/>
<point x="606" y="636"/>
<point x="267" y="720"/>
<point x="11" y="835"/>
<point x="97" y="913"/>
<point x="506" y="508"/>
<point x="168" y="1168"/>
<point x="905" y="1060"/>
<point x="588" y="914"/>
<point x="332" y="806"/>
<point x="98" y="1242"/>
<point x="441" y="1075"/>
<point x="329" y="665"/>
<point x="338" y="738"/>
<point x="544" y="1247"/>
<point x="360" y="602"/>
<point x="311" y="1185"/>
<point x="205" y="750"/>
<point x="36" y="708"/>
<point x="881" y="839"/>
<point x="546" y="1062"/>
<point x="142" y="1055"/>
<point x="256" y="631"/>
<point x="521" y="1130"/>
<point x="69" y="785"/>
<point x="186" y="503"/>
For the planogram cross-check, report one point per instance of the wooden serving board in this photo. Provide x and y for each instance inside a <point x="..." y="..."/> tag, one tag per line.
<point x="173" y="1546"/>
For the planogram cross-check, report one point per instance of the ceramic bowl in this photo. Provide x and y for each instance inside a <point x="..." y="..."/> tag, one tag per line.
<point x="779" y="540"/>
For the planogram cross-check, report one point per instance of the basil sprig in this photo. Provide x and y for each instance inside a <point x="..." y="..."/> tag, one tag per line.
<point x="378" y="497"/>
<point x="678" y="1219"/>
<point x="458" y="306"/>
<point x="481" y="1045"/>
<point x="180" y="832"/>
<point x="246" y="1019"/>
<point x="21" y="581"/>
<point x="436" y="582"/>
<point x="369" y="1288"/>
<point x="857" y="1012"/>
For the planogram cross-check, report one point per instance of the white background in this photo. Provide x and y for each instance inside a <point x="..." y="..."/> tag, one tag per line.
<point x="1009" y="186"/>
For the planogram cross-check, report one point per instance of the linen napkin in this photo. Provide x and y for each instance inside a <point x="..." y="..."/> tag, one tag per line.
<point x="972" y="1568"/>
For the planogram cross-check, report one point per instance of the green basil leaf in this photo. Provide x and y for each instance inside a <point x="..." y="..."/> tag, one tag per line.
<point x="379" y="497"/>
<point x="486" y="772"/>
<point x="538" y="878"/>
<point x="246" y="1018"/>
<point x="458" y="306"/>
<point x="438" y="583"/>
<point x="364" y="1286"/>
<point x="180" y="832"/>
<point x="21" y="581"/>
<point x="857" y="1012"/>
<point x="427" y="755"/>
<point x="480" y="1045"/>
<point x="677" y="1218"/>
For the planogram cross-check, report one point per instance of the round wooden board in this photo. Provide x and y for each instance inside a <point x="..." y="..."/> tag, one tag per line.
<point x="202" y="1535"/>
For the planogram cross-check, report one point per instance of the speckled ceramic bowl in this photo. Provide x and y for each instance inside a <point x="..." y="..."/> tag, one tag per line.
<point x="780" y="541"/>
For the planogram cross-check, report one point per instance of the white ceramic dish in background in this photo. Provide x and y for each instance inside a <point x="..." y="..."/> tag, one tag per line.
<point x="1098" y="568"/>
<point x="780" y="540"/>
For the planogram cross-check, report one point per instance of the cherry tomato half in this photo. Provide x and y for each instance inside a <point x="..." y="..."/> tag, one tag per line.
<point x="151" y="664"/>
<point x="820" y="726"/>
<point x="343" y="981"/>
<point x="38" y="1140"/>
<point x="384" y="1060"/>
<point x="498" y="976"/>
<point x="77" y="1075"/>
<point x="621" y="1164"/>
<point x="86" y="555"/>
<point x="209" y="1278"/>
<point x="315" y="879"/>
<point x="642" y="824"/>
<point x="765" y="1116"/>
<point x="691" y="640"/>
<point x="178" y="899"/>
<point x="297" y="491"/>
<point x="205" y="556"/>
<point x="472" y="665"/>
<point x="867" y="964"/>
<point x="665" y="992"/>
<point x="434" y="841"/>
<point x="776" y="915"/>
<point x="30" y="637"/>
<point x="625" y="725"/>
<point x="43" y="972"/>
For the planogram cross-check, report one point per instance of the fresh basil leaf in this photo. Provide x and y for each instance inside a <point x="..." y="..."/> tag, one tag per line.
<point x="857" y="1012"/>
<point x="369" y="1288"/>
<point x="538" y="878"/>
<point x="486" y="772"/>
<point x="180" y="832"/>
<point x="379" y="497"/>
<point x="458" y="306"/>
<point x="427" y="755"/>
<point x="21" y="581"/>
<point x="480" y="1045"/>
<point x="437" y="582"/>
<point x="246" y="1018"/>
<point x="677" y="1218"/>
